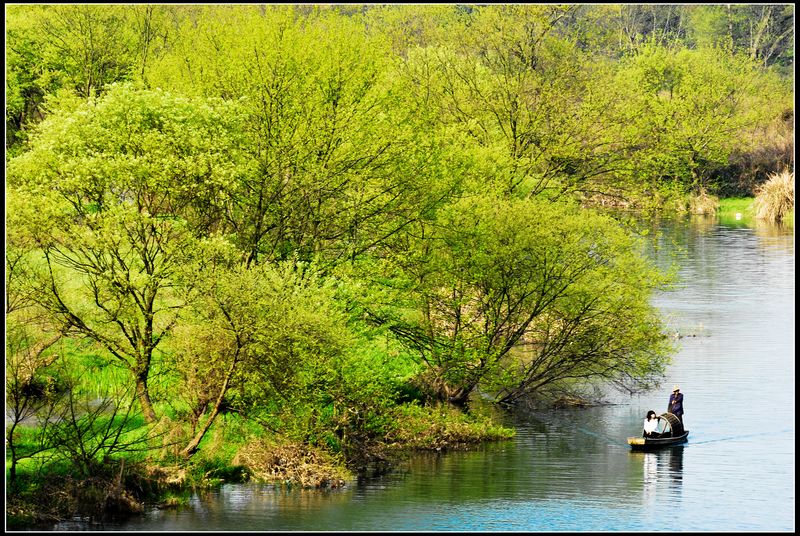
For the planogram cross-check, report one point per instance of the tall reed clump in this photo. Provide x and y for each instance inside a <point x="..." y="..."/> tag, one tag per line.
<point x="775" y="198"/>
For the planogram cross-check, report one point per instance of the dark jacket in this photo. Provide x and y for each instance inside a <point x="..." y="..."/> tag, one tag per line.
<point x="676" y="404"/>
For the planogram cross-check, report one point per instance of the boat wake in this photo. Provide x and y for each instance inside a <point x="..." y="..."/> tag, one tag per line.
<point x="744" y="436"/>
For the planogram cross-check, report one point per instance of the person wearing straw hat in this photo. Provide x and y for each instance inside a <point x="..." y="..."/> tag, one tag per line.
<point x="676" y="403"/>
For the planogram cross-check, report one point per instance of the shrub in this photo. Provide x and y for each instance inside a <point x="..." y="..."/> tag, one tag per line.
<point x="442" y="426"/>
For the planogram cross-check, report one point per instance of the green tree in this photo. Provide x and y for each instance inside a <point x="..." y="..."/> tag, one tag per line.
<point x="76" y="48"/>
<point x="690" y="111"/>
<point x="765" y="33"/>
<point x="492" y="272"/>
<point x="539" y="116"/>
<point x="114" y="179"/>
<point x="335" y="165"/>
<point x="407" y="27"/>
<point x="264" y="341"/>
<point x="32" y="389"/>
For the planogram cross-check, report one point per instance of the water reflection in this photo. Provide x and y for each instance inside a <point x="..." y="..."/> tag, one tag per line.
<point x="650" y="478"/>
<point x="774" y="237"/>
<point x="675" y="464"/>
<point x="662" y="473"/>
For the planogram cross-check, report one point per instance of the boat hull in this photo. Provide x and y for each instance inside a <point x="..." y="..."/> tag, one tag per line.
<point x="648" y="443"/>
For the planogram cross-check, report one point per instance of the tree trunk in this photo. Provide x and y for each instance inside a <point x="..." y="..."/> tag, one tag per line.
<point x="191" y="448"/>
<point x="144" y="398"/>
<point x="12" y="471"/>
<point x="460" y="400"/>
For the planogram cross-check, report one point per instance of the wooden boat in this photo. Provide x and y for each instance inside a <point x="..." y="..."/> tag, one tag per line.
<point x="672" y="434"/>
<point x="650" y="443"/>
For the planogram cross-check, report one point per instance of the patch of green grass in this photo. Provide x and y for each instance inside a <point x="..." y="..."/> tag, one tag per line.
<point x="741" y="212"/>
<point x="736" y="204"/>
<point x="97" y="371"/>
<point x="736" y="211"/>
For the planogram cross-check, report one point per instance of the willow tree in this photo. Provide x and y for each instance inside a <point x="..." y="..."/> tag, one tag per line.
<point x="497" y="279"/>
<point x="335" y="165"/>
<point x="119" y="177"/>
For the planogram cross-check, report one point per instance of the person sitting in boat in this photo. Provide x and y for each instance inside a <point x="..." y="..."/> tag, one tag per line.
<point x="651" y="424"/>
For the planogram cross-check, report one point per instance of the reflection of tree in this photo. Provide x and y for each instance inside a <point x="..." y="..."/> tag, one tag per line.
<point x="702" y="224"/>
<point x="256" y="499"/>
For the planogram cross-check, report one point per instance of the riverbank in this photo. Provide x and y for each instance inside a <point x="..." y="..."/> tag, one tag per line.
<point x="126" y="486"/>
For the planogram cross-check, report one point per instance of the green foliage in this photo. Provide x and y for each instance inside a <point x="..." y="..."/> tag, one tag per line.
<point x="537" y="93"/>
<point x="497" y="275"/>
<point x="694" y="109"/>
<point x="306" y="221"/>
<point x="440" y="427"/>
<point x="114" y="180"/>
<point x="763" y="32"/>
<point x="75" y="48"/>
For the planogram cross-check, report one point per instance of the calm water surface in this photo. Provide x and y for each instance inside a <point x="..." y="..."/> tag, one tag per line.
<point x="571" y="470"/>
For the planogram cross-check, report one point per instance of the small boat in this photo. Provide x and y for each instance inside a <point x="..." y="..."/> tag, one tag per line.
<point x="648" y="443"/>
<point x="672" y="434"/>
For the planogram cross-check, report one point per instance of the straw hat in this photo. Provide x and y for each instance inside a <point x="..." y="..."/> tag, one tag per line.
<point x="676" y="388"/>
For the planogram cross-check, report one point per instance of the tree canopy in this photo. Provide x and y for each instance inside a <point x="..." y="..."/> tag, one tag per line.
<point x="313" y="215"/>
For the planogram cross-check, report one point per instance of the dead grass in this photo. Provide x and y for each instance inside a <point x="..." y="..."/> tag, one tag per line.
<point x="703" y="203"/>
<point x="293" y="464"/>
<point x="775" y="198"/>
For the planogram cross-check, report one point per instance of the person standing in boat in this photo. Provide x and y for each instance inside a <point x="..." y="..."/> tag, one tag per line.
<point x="676" y="403"/>
<point x="651" y="424"/>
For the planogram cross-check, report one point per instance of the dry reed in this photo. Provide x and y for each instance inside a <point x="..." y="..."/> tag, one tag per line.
<point x="703" y="203"/>
<point x="775" y="198"/>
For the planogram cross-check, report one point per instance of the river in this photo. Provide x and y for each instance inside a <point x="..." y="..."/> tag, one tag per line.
<point x="571" y="469"/>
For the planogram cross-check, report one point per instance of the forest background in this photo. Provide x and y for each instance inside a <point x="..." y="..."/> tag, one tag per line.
<point x="341" y="229"/>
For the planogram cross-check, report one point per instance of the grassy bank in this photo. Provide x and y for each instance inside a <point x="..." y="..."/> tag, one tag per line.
<point x="741" y="212"/>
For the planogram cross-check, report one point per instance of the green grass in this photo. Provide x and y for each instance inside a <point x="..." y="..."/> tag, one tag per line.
<point x="737" y="211"/>
<point x="741" y="212"/>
